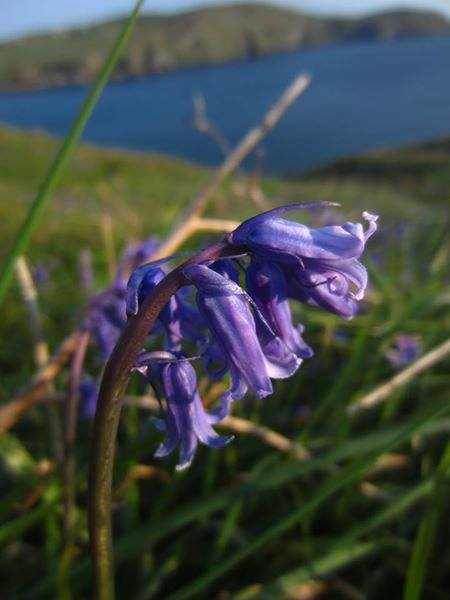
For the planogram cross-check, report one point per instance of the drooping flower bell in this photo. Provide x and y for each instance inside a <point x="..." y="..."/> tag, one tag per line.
<point x="106" y="315"/>
<point x="185" y="420"/>
<point x="267" y="287"/>
<point x="106" y="318"/>
<point x="320" y="264"/>
<point x="180" y="320"/>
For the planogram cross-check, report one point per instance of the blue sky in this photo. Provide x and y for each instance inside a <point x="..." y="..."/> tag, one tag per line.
<point x="22" y="16"/>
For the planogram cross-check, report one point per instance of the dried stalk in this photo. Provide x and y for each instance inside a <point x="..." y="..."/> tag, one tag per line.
<point x="383" y="392"/>
<point x="203" y="125"/>
<point x="70" y="424"/>
<point x="29" y="294"/>
<point x="232" y="160"/>
<point x="41" y="352"/>
<point x="270" y="437"/>
<point x="214" y="225"/>
<point x="197" y="225"/>
<point x="250" y="189"/>
<point x="38" y="385"/>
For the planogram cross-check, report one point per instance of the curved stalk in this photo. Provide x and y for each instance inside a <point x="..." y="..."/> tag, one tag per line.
<point x="110" y="400"/>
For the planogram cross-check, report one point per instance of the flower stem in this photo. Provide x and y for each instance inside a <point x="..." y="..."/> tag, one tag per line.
<point x="110" y="400"/>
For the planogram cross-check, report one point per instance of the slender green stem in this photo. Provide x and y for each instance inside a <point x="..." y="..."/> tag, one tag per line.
<point x="426" y="532"/>
<point x="110" y="400"/>
<point x="64" y="153"/>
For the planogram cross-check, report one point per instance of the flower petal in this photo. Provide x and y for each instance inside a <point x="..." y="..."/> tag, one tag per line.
<point x="224" y="308"/>
<point x="267" y="236"/>
<point x="186" y="421"/>
<point x="267" y="286"/>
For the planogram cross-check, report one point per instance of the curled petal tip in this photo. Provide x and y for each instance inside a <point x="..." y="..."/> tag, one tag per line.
<point x="185" y="463"/>
<point x="183" y="466"/>
<point x="219" y="441"/>
<point x="372" y="219"/>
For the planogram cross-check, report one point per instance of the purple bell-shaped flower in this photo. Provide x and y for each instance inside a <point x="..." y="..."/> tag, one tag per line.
<point x="185" y="419"/>
<point x="320" y="264"/>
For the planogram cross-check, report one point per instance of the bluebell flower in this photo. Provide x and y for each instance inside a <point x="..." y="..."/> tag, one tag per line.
<point x="404" y="349"/>
<point x="234" y="344"/>
<point x="180" y="320"/>
<point x="226" y="268"/>
<point x="246" y="334"/>
<point x="106" y="315"/>
<point x="267" y="287"/>
<point x="134" y="255"/>
<point x="320" y="264"/>
<point x="185" y="420"/>
<point x="106" y="318"/>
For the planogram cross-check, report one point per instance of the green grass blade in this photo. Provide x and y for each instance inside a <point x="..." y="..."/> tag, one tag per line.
<point x="64" y="153"/>
<point x="338" y="555"/>
<point x="426" y="532"/>
<point x="18" y="526"/>
<point x="345" y="477"/>
<point x="321" y="567"/>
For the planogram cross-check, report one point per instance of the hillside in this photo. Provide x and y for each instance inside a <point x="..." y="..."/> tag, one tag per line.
<point x="145" y="192"/>
<point x="204" y="36"/>
<point x="107" y="198"/>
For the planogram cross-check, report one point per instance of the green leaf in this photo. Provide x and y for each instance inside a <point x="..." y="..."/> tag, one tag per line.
<point x="339" y="554"/>
<point x="423" y="544"/>
<point x="64" y="154"/>
<point x="14" y="457"/>
<point x="320" y="567"/>
<point x="17" y="527"/>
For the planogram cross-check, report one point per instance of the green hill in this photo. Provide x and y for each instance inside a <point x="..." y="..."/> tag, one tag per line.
<point x="203" y="36"/>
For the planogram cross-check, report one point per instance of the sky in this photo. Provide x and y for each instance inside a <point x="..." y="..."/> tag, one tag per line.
<point x="20" y="17"/>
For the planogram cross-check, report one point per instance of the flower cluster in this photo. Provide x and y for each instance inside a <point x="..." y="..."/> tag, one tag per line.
<point x="106" y="314"/>
<point x="246" y="332"/>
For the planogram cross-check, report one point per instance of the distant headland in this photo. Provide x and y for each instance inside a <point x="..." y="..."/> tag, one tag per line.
<point x="198" y="37"/>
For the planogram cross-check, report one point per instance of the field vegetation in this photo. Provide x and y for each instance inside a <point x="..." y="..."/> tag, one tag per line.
<point x="353" y="505"/>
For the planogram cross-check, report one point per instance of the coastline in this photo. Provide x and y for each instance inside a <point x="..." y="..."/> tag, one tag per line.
<point x="195" y="39"/>
<point x="117" y="79"/>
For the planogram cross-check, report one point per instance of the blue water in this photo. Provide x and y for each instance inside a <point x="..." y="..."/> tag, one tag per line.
<point x="362" y="96"/>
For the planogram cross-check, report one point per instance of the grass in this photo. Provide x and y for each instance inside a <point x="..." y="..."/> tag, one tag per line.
<point x="247" y="521"/>
<point x="67" y="146"/>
